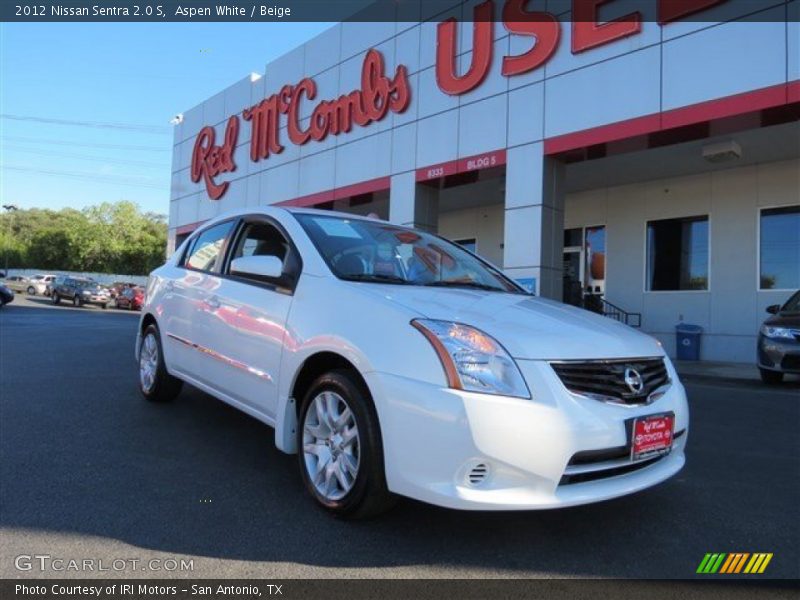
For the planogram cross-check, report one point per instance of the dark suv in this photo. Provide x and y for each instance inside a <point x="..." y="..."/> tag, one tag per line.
<point x="779" y="341"/>
<point x="79" y="291"/>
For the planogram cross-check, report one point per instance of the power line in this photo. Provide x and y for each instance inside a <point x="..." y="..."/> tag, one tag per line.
<point x="154" y="129"/>
<point x="130" y="181"/>
<point x="102" y="159"/>
<point x="30" y="140"/>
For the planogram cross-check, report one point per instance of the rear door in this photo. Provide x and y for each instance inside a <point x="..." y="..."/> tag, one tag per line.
<point x="252" y="312"/>
<point x="190" y="304"/>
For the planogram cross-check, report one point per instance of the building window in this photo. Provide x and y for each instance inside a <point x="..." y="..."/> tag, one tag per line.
<point x="470" y="245"/>
<point x="677" y="254"/>
<point x="779" y="250"/>
<point x="595" y="251"/>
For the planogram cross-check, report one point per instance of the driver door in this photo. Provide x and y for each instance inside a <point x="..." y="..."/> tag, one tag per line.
<point x="253" y="312"/>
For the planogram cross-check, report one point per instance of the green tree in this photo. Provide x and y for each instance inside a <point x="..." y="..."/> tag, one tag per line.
<point x="111" y="237"/>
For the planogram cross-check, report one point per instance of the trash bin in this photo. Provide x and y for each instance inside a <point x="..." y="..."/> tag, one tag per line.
<point x="687" y="339"/>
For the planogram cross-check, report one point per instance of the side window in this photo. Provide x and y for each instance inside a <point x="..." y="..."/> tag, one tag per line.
<point x="204" y="251"/>
<point x="264" y="239"/>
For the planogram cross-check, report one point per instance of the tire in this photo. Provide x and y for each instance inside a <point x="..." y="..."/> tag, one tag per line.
<point x="55" y="298"/>
<point x="771" y="377"/>
<point x="76" y="301"/>
<point x="366" y="493"/>
<point x="104" y="306"/>
<point x="163" y="387"/>
<point x="31" y="291"/>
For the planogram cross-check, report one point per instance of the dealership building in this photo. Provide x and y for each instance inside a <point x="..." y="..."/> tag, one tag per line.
<point x="646" y="166"/>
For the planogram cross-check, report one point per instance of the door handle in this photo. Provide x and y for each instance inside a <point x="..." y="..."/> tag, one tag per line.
<point x="213" y="302"/>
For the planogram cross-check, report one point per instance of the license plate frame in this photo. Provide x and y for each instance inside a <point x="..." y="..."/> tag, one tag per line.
<point x="652" y="436"/>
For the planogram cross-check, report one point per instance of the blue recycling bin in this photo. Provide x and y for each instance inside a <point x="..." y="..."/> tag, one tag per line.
<point x="687" y="339"/>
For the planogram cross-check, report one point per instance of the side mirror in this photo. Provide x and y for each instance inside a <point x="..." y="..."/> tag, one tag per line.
<point x="774" y="309"/>
<point x="269" y="267"/>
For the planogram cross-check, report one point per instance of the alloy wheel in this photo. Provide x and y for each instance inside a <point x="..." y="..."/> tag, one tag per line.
<point x="331" y="445"/>
<point x="148" y="363"/>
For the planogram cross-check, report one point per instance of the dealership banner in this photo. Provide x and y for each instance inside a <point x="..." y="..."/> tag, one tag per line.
<point x="611" y="13"/>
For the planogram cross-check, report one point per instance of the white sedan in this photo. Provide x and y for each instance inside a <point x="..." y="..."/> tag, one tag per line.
<point x="394" y="362"/>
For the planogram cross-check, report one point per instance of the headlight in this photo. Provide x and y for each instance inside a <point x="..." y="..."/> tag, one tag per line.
<point x="86" y="293"/>
<point x="777" y="332"/>
<point x="472" y="360"/>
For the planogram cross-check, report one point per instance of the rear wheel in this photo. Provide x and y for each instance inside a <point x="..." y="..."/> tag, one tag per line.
<point x="155" y="383"/>
<point x="339" y="448"/>
<point x="771" y="377"/>
<point x="104" y="306"/>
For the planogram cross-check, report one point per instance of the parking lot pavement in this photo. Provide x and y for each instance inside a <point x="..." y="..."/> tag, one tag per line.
<point x="90" y="470"/>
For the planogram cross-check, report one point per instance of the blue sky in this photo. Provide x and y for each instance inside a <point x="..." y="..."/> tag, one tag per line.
<point x="118" y="74"/>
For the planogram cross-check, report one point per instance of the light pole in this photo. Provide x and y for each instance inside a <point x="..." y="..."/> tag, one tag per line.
<point x="8" y="208"/>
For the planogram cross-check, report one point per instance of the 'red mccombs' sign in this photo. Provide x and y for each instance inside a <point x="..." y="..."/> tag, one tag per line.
<point x="378" y="96"/>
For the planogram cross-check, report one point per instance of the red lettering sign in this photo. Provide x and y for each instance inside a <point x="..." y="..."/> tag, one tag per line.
<point x="587" y="33"/>
<point x="482" y="50"/>
<point x="378" y="96"/>
<point x="542" y="26"/>
<point x="209" y="160"/>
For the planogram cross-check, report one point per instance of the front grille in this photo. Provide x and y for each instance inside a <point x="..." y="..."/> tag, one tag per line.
<point x="605" y="474"/>
<point x="606" y="380"/>
<point x="594" y="465"/>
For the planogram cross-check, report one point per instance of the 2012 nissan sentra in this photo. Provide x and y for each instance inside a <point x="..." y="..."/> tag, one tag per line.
<point x="394" y="362"/>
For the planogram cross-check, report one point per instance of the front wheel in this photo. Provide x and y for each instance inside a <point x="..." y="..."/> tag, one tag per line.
<point x="77" y="302"/>
<point x="155" y="383"/>
<point x="339" y="448"/>
<point x="31" y="291"/>
<point x="771" y="377"/>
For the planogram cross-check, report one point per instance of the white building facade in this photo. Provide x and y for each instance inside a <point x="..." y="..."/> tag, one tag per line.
<point x="649" y="168"/>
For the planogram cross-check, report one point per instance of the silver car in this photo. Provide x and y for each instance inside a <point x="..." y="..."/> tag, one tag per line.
<point x="17" y="283"/>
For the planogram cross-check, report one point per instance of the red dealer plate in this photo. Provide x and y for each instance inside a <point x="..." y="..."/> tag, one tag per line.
<point x="652" y="436"/>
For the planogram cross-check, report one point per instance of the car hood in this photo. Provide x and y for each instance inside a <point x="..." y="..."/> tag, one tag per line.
<point x="527" y="326"/>
<point x="785" y="319"/>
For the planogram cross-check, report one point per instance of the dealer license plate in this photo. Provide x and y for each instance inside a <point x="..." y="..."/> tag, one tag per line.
<point x="652" y="436"/>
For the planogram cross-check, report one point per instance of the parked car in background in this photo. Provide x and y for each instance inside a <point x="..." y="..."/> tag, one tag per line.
<point x="393" y="361"/>
<point x="40" y="284"/>
<point x="131" y="298"/>
<point x="80" y="291"/>
<point x="779" y="341"/>
<point x="6" y="295"/>
<point x="17" y="283"/>
<point x="116" y="288"/>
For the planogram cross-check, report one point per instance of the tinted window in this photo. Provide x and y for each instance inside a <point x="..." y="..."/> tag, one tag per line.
<point x="780" y="248"/>
<point x="204" y="251"/>
<point x="677" y="254"/>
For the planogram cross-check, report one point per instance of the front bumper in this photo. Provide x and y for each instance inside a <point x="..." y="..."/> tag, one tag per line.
<point x="778" y="355"/>
<point x="436" y="440"/>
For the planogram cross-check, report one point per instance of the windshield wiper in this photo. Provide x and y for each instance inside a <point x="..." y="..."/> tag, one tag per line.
<point x="467" y="284"/>
<point x="377" y="278"/>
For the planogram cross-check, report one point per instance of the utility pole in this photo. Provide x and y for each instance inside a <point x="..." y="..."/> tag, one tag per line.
<point x="8" y="208"/>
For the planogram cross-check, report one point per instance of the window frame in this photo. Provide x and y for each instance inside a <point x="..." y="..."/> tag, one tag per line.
<point x="759" y="212"/>
<point x="182" y="262"/>
<point x="645" y="255"/>
<point x="274" y="286"/>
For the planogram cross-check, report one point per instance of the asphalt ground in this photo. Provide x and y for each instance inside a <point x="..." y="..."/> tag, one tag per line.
<point x="90" y="470"/>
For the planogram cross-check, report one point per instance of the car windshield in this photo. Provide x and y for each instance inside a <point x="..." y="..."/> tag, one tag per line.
<point x="379" y="252"/>
<point x="793" y="304"/>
